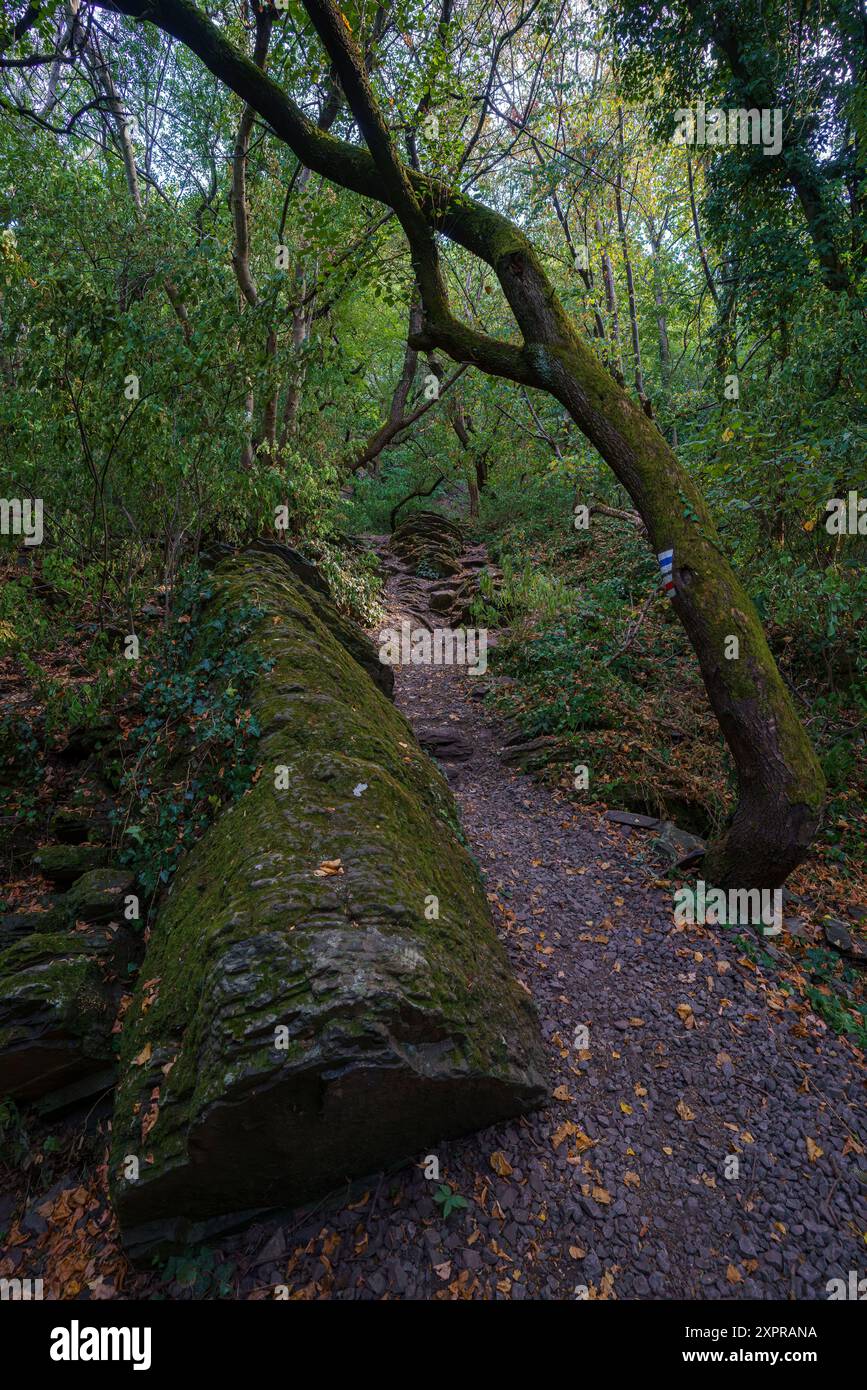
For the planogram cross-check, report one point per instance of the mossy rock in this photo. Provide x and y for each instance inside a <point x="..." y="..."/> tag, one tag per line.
<point x="98" y="896"/>
<point x="74" y="825"/>
<point x="63" y="864"/>
<point x="57" y="1010"/>
<point x="400" y="1030"/>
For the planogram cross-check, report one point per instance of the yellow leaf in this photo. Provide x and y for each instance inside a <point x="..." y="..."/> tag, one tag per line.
<point x="813" y="1150"/>
<point x="562" y="1093"/>
<point x="500" y="1164"/>
<point x="734" y="1275"/>
<point x="626" y="1107"/>
<point x="143" y="1056"/>
<point x="583" y="1142"/>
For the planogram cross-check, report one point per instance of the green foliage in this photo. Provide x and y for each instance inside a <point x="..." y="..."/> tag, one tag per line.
<point x="449" y="1201"/>
<point x="353" y="578"/>
<point x="195" y="747"/>
<point x="200" y="1273"/>
<point x="14" y="1139"/>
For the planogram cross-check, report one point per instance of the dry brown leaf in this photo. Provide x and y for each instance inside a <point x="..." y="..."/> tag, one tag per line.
<point x="327" y="868"/>
<point x="564" y="1132"/>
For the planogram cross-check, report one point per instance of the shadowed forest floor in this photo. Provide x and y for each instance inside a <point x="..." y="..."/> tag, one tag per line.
<point x="618" y="1187"/>
<point x="701" y="1137"/>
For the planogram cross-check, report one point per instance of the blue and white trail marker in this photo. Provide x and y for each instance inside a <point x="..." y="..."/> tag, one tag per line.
<point x="666" y="561"/>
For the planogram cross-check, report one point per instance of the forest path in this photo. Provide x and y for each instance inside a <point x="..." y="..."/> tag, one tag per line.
<point x="692" y="1057"/>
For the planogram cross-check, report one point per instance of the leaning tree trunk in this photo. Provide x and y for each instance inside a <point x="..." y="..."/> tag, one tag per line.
<point x="779" y="779"/>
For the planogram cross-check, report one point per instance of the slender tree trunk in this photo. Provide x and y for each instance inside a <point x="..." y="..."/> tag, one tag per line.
<point x="104" y="81"/>
<point x="696" y="227"/>
<point x="662" y="324"/>
<point x="627" y="263"/>
<point x="610" y="299"/>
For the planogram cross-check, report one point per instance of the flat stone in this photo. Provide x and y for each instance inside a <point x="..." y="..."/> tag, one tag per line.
<point x="631" y="818"/>
<point x="64" y="863"/>
<point x="445" y="744"/>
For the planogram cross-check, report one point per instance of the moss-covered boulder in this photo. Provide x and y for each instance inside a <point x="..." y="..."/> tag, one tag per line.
<point x="59" y="993"/>
<point x="63" y="864"/>
<point x="73" y="825"/>
<point x="98" y="896"/>
<point x="323" y="991"/>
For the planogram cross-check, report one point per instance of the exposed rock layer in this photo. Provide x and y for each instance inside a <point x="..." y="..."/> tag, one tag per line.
<point x="323" y="991"/>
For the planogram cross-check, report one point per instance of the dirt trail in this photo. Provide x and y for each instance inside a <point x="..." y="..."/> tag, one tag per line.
<point x="722" y="1161"/>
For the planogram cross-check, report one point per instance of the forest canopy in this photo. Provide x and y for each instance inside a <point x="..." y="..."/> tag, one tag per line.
<point x="293" y="263"/>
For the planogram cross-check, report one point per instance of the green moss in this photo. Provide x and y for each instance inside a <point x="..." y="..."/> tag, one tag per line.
<point x="65" y="863"/>
<point x="54" y="979"/>
<point x="252" y="937"/>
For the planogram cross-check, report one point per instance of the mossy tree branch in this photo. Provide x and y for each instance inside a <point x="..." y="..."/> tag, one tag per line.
<point x="780" y="783"/>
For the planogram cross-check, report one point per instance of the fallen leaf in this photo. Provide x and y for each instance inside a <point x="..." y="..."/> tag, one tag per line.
<point x="500" y="1164"/>
<point x="327" y="868"/>
<point x="813" y="1150"/>
<point x="566" y="1129"/>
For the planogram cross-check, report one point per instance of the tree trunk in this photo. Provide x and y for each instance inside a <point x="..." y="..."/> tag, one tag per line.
<point x="627" y="263"/>
<point x="780" y="782"/>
